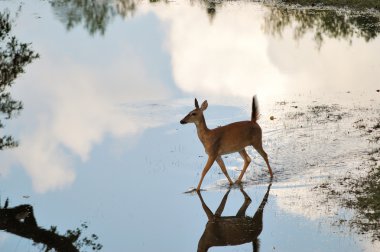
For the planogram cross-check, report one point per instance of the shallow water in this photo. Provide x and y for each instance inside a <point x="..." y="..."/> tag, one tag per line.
<point x="100" y="140"/>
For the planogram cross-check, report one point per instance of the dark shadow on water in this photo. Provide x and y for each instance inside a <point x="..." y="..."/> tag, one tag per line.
<point x="20" y="221"/>
<point x="232" y="230"/>
<point x="14" y="56"/>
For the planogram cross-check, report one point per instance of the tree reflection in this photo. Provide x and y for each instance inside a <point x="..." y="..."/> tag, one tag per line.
<point x="323" y="23"/>
<point x="95" y="15"/>
<point x="20" y="220"/>
<point x="232" y="230"/>
<point x="14" y="56"/>
<point x="211" y="7"/>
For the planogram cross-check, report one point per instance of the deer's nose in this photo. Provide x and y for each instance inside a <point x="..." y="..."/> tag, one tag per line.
<point x="183" y="121"/>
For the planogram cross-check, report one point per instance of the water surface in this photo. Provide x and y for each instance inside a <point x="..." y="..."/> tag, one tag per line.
<point x="100" y="140"/>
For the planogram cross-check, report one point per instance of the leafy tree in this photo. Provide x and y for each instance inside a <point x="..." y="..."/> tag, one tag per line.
<point x="322" y="22"/>
<point x="14" y="56"/>
<point x="94" y="15"/>
<point x="20" y="220"/>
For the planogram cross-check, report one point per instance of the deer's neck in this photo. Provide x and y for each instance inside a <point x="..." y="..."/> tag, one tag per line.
<point x="202" y="129"/>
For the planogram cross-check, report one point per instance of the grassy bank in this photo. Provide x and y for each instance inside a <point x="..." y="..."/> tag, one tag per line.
<point x="367" y="203"/>
<point x="353" y="4"/>
<point x="366" y="190"/>
<point x="361" y="193"/>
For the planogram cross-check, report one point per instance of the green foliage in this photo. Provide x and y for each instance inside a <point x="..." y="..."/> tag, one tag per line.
<point x="7" y="142"/>
<point x="14" y="56"/>
<point x="75" y="236"/>
<point x="322" y="22"/>
<point x="354" y="4"/>
<point x="367" y="203"/>
<point x="362" y="192"/>
<point x="94" y="15"/>
<point x="85" y="242"/>
<point x="366" y="190"/>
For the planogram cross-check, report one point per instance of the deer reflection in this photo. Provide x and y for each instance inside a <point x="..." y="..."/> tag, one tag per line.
<point x="232" y="230"/>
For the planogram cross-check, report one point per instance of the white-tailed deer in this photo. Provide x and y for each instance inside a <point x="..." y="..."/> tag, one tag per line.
<point x="227" y="139"/>
<point x="232" y="230"/>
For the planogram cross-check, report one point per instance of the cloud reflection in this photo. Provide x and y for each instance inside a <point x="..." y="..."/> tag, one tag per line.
<point x="229" y="59"/>
<point x="71" y="107"/>
<point x="74" y="103"/>
<point x="234" y="57"/>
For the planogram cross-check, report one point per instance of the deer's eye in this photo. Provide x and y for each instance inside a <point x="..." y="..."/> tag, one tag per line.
<point x="193" y="114"/>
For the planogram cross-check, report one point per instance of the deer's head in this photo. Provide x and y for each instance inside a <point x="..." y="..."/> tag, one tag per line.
<point x="196" y="115"/>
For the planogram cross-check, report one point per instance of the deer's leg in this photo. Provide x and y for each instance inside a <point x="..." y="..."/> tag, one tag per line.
<point x="207" y="210"/>
<point x="261" y="151"/>
<point x="247" y="202"/>
<point x="208" y="165"/>
<point x="256" y="245"/>
<point x="220" y="162"/>
<point x="220" y="209"/>
<point x="247" y="160"/>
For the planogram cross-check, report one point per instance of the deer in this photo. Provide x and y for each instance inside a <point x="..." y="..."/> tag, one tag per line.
<point x="227" y="139"/>
<point x="232" y="230"/>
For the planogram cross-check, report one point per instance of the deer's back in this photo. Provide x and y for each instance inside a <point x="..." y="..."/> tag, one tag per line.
<point x="230" y="231"/>
<point x="235" y="136"/>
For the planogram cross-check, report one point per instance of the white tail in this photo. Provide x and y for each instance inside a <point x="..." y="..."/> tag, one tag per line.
<point x="227" y="139"/>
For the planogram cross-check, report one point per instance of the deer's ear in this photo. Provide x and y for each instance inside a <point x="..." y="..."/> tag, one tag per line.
<point x="196" y="103"/>
<point x="204" y="105"/>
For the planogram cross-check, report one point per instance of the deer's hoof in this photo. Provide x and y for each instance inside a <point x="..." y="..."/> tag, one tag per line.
<point x="238" y="182"/>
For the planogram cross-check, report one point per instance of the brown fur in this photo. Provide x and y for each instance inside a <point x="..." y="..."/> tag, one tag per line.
<point x="227" y="139"/>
